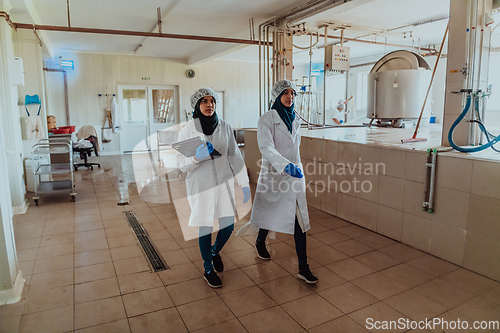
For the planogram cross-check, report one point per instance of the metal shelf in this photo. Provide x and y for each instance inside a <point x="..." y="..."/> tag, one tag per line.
<point x="56" y="185"/>
<point x="52" y="150"/>
<point x="52" y="169"/>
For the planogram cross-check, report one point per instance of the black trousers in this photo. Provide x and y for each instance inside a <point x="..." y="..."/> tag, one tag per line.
<point x="300" y="242"/>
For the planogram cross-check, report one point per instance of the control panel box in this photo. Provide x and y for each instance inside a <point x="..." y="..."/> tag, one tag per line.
<point x="337" y="58"/>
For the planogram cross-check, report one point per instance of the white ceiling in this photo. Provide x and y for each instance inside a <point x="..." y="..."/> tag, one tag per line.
<point x="228" y="18"/>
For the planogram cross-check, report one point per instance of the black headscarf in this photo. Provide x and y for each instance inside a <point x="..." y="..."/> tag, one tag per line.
<point x="208" y="123"/>
<point x="286" y="113"/>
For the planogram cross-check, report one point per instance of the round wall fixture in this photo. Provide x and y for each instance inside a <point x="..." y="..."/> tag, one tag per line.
<point x="190" y="73"/>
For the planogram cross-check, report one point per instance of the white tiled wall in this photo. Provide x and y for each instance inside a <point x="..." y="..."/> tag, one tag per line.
<point x="465" y="227"/>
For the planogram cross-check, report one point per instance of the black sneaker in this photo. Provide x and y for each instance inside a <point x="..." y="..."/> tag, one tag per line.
<point x="306" y="275"/>
<point x="218" y="264"/>
<point x="262" y="251"/>
<point x="212" y="279"/>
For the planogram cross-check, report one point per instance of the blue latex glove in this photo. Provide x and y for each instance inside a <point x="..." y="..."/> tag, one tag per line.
<point x="293" y="171"/>
<point x="210" y="147"/>
<point x="203" y="151"/>
<point x="246" y="194"/>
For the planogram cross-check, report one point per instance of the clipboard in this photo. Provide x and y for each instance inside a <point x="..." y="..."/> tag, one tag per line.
<point x="188" y="147"/>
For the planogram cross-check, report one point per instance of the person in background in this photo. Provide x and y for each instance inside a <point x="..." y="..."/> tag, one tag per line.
<point x="341" y="106"/>
<point x="280" y="199"/>
<point x="210" y="180"/>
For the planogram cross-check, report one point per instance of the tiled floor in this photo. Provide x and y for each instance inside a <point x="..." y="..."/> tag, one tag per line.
<point x="85" y="273"/>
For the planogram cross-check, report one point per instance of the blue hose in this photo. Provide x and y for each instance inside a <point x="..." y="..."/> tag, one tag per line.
<point x="459" y="119"/>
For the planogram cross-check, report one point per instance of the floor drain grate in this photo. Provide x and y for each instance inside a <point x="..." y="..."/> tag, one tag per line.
<point x="156" y="262"/>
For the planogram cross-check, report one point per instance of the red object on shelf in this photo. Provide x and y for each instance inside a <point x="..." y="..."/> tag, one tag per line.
<point x="71" y="128"/>
<point x="60" y="130"/>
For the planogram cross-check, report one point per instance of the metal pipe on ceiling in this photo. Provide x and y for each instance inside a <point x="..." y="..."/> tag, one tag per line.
<point x="374" y="62"/>
<point x="164" y="15"/>
<point x="69" y="21"/>
<point x="158" y="11"/>
<point x="38" y="38"/>
<point x="305" y="10"/>
<point x="132" y="33"/>
<point x="7" y="19"/>
<point x="371" y="42"/>
<point x="409" y="25"/>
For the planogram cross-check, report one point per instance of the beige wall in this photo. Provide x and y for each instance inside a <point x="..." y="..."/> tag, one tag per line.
<point x="94" y="72"/>
<point x="465" y="227"/>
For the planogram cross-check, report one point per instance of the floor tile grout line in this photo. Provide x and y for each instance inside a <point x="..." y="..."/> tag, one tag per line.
<point x="475" y="295"/>
<point x="235" y="317"/>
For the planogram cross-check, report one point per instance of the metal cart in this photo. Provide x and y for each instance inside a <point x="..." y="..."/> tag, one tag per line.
<point x="56" y="171"/>
<point x="165" y="138"/>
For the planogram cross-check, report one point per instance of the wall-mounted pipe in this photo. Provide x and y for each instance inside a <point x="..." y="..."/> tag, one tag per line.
<point x="275" y="55"/>
<point x="7" y="19"/>
<point x="324" y="77"/>
<point x="309" y="82"/>
<point x="306" y="9"/>
<point x="260" y="72"/>
<point x="268" y="69"/>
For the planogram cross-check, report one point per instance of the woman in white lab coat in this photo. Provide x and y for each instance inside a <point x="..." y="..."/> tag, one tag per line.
<point x="210" y="180"/>
<point x="280" y="199"/>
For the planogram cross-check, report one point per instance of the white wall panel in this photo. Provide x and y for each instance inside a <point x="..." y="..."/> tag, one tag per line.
<point x="27" y="47"/>
<point x="10" y="124"/>
<point x="94" y="72"/>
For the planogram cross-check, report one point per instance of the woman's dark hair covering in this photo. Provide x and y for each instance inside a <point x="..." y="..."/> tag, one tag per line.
<point x="208" y="123"/>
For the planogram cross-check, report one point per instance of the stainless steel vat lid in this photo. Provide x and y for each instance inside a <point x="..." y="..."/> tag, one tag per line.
<point x="400" y="59"/>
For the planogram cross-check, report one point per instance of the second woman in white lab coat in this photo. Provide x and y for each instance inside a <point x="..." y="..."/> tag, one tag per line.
<point x="210" y="181"/>
<point x="280" y="199"/>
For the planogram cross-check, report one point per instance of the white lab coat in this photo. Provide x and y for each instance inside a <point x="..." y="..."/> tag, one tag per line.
<point x="208" y="181"/>
<point x="279" y="197"/>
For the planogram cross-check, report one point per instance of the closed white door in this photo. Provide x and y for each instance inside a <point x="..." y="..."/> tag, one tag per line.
<point x="135" y="112"/>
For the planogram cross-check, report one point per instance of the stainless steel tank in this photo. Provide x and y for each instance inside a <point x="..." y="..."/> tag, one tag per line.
<point x="397" y="85"/>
